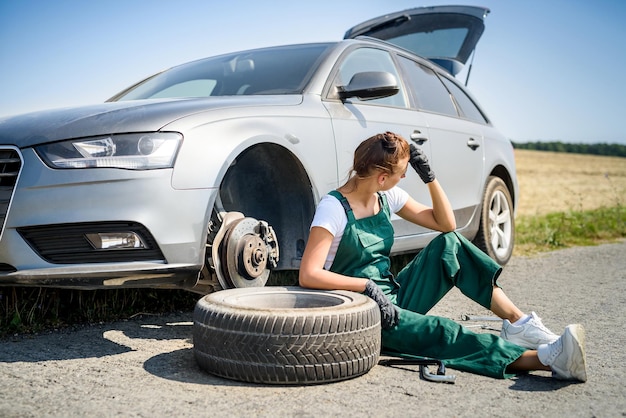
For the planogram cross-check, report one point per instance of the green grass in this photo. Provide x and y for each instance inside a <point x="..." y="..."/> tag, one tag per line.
<point x="35" y="309"/>
<point x="566" y="229"/>
<point x="30" y="310"/>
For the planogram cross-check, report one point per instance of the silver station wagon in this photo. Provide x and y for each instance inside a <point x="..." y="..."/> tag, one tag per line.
<point x="206" y="176"/>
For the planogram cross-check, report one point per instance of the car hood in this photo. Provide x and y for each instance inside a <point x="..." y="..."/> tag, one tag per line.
<point x="446" y="35"/>
<point x="118" y="117"/>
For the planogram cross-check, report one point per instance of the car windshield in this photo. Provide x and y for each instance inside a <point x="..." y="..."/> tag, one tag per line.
<point x="279" y="70"/>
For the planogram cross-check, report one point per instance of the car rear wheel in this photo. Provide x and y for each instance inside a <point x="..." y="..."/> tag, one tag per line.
<point x="286" y="335"/>
<point x="496" y="233"/>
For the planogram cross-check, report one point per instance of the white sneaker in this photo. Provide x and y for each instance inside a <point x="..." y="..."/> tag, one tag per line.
<point x="566" y="356"/>
<point x="529" y="335"/>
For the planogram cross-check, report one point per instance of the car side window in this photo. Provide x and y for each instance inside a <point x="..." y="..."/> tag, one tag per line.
<point x="370" y="59"/>
<point x="468" y="108"/>
<point x="430" y="94"/>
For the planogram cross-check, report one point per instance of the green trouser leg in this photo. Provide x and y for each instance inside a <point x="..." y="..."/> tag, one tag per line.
<point x="424" y="281"/>
<point x="446" y="340"/>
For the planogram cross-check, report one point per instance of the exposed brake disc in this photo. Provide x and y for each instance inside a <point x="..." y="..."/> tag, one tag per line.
<point x="245" y="252"/>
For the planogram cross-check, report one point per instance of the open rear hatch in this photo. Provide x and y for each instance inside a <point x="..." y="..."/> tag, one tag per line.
<point x="446" y="35"/>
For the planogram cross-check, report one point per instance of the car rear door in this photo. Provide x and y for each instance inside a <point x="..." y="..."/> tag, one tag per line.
<point x="455" y="140"/>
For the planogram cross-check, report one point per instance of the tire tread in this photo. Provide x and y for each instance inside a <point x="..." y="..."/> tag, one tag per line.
<point x="289" y="349"/>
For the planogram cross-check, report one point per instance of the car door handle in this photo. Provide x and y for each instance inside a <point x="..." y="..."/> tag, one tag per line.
<point x="418" y="138"/>
<point x="473" y="144"/>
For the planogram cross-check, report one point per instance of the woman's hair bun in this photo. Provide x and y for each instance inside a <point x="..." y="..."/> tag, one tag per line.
<point x="389" y="142"/>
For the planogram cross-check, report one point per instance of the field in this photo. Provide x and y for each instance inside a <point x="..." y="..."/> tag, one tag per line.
<point x="560" y="182"/>
<point x="568" y="200"/>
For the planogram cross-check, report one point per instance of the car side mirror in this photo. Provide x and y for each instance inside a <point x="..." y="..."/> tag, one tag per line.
<point x="370" y="85"/>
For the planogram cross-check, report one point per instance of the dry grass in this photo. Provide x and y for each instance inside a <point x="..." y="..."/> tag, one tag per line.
<point x="568" y="199"/>
<point x="559" y="182"/>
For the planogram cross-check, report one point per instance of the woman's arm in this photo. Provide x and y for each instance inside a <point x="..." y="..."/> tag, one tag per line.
<point x="439" y="218"/>
<point x="312" y="273"/>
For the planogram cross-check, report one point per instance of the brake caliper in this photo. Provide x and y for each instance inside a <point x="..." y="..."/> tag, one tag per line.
<point x="268" y="236"/>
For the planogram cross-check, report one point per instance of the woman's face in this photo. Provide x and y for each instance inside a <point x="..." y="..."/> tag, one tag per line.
<point x="395" y="177"/>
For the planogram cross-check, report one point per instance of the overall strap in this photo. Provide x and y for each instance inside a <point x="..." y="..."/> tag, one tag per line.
<point x="344" y="203"/>
<point x="384" y="205"/>
<point x="382" y="199"/>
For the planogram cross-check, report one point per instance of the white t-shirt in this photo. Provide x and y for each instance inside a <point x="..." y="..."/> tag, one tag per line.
<point x="331" y="216"/>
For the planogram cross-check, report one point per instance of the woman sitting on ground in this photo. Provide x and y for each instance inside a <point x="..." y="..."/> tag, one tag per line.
<point x="349" y="246"/>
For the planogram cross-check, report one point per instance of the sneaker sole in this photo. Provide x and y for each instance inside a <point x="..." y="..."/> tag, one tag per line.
<point x="578" y="333"/>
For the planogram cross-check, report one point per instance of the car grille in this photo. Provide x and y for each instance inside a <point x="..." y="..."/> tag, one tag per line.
<point x="67" y="244"/>
<point x="10" y="166"/>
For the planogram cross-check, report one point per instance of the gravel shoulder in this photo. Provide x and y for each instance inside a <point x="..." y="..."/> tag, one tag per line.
<point x="145" y="367"/>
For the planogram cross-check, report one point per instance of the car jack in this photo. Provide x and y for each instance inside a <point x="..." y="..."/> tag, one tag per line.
<point x="423" y="363"/>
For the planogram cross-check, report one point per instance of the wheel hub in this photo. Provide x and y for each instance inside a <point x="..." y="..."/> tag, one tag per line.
<point x="252" y="254"/>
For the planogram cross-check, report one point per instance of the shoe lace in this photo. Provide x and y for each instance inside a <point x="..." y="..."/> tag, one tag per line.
<point x="536" y="321"/>
<point x="555" y="349"/>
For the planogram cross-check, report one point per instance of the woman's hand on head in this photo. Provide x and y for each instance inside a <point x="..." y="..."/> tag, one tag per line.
<point x="420" y="164"/>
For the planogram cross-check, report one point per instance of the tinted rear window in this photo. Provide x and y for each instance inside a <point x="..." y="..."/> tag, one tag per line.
<point x="469" y="109"/>
<point x="430" y="94"/>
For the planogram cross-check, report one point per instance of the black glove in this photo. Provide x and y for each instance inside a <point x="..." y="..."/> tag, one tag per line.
<point x="419" y="162"/>
<point x="388" y="311"/>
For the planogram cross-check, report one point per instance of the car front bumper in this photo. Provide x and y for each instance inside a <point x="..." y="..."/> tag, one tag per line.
<point x="43" y="241"/>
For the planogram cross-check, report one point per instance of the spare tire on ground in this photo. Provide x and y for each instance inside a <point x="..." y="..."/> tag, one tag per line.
<point x="286" y="335"/>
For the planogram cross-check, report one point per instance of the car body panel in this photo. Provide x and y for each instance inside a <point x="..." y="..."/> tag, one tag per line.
<point x="448" y="140"/>
<point x="303" y="129"/>
<point x="113" y="117"/>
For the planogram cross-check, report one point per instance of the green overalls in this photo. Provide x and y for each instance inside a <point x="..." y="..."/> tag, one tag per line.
<point x="449" y="260"/>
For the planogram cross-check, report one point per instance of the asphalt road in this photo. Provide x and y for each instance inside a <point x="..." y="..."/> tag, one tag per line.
<point x="145" y="367"/>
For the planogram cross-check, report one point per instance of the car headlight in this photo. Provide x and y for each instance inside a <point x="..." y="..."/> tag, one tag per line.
<point x="131" y="151"/>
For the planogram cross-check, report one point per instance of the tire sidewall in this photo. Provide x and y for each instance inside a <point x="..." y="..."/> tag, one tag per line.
<point x="483" y="239"/>
<point x="245" y="334"/>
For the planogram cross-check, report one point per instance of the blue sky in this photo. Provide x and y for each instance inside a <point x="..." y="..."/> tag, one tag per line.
<point x="544" y="69"/>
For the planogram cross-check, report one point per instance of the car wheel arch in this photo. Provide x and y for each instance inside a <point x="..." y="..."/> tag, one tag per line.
<point x="267" y="181"/>
<point x="496" y="231"/>
<point x="504" y="174"/>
